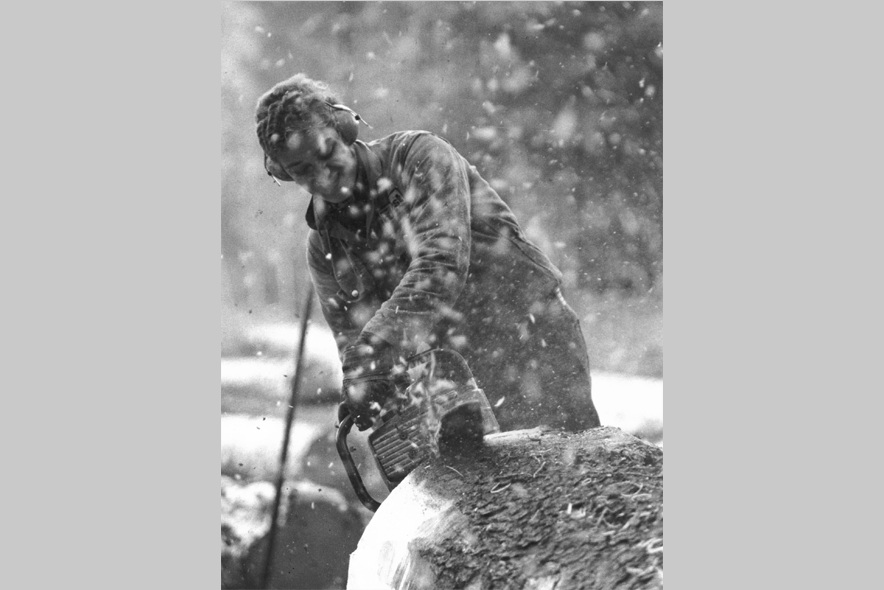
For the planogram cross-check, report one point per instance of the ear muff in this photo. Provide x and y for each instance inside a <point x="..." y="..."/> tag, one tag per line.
<point x="275" y="170"/>
<point x="346" y="122"/>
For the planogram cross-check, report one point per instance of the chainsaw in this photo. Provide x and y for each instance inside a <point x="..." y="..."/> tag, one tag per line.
<point x="439" y="407"/>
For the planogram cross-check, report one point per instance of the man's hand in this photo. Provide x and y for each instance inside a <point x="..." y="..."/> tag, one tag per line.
<point x="368" y="379"/>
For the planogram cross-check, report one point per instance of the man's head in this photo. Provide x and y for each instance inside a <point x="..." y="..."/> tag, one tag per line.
<point x="306" y="137"/>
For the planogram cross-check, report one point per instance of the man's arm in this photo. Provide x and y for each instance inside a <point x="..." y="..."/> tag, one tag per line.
<point x="327" y="288"/>
<point x="436" y="227"/>
<point x="367" y="364"/>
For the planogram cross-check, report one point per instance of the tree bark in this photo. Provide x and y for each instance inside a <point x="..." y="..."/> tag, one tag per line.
<point x="530" y="509"/>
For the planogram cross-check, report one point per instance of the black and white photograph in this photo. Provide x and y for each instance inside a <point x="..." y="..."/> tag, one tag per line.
<point x="442" y="295"/>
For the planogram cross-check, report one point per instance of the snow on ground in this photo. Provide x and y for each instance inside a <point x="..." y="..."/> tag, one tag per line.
<point x="253" y="444"/>
<point x="283" y="338"/>
<point x="268" y="374"/>
<point x="633" y="404"/>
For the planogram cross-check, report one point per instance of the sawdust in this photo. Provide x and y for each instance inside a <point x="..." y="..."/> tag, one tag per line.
<point x="556" y="511"/>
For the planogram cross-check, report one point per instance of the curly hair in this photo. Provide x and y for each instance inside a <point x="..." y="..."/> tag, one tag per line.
<point x="295" y="104"/>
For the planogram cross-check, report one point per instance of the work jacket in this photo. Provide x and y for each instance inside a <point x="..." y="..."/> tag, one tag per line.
<point x="436" y="256"/>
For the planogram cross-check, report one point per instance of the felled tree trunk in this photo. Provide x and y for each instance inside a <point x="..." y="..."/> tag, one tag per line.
<point x="530" y="509"/>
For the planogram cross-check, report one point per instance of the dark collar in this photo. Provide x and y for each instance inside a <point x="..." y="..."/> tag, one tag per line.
<point x="368" y="170"/>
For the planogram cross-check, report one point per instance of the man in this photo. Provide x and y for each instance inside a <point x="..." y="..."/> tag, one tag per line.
<point x="411" y="249"/>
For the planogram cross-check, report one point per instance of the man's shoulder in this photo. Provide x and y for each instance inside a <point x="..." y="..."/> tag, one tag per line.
<point x="405" y="155"/>
<point x="406" y="139"/>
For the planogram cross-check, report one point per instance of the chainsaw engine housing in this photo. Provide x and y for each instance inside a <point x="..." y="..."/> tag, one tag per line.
<point x="441" y="407"/>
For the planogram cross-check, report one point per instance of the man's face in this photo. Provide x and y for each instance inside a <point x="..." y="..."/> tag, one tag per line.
<point x="320" y="163"/>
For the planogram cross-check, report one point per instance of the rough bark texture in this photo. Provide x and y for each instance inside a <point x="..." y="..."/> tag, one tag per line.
<point x="528" y="510"/>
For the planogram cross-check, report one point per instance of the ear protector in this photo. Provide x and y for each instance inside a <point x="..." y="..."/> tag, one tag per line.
<point x="346" y="121"/>
<point x="276" y="171"/>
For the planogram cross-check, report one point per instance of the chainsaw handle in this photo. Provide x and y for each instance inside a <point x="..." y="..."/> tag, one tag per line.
<point x="349" y="465"/>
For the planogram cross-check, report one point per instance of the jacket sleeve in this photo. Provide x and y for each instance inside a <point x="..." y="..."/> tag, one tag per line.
<point x="435" y="225"/>
<point x="333" y="307"/>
